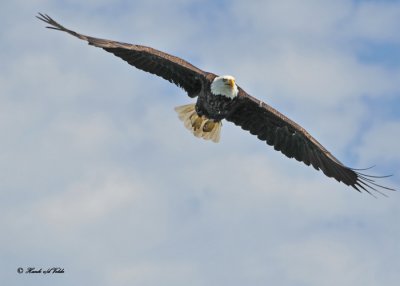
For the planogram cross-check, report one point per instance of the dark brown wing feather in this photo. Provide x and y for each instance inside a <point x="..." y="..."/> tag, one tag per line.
<point x="169" y="67"/>
<point x="294" y="141"/>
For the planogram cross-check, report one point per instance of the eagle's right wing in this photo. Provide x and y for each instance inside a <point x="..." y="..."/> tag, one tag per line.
<point x="171" y="68"/>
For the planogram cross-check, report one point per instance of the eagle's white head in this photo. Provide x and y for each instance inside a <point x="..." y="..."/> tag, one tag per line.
<point x="225" y="85"/>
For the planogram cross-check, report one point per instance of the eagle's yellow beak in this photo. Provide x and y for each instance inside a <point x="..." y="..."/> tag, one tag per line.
<point x="231" y="82"/>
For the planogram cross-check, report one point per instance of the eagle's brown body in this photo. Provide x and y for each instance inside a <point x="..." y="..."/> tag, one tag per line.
<point x="216" y="107"/>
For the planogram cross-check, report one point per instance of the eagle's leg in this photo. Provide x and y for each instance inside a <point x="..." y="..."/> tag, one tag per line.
<point x="200" y="126"/>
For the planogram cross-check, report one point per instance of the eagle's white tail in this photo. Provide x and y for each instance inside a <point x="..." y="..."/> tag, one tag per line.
<point x="200" y="126"/>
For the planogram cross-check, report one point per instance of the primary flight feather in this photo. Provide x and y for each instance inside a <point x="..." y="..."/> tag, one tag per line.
<point x="219" y="98"/>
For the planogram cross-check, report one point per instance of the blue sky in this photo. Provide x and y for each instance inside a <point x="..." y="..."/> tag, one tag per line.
<point x="99" y="176"/>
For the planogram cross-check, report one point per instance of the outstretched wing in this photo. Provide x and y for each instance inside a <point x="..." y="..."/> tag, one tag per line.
<point x="294" y="141"/>
<point x="171" y="68"/>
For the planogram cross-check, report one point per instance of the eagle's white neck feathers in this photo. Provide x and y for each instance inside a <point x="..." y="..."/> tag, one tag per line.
<point x="224" y="85"/>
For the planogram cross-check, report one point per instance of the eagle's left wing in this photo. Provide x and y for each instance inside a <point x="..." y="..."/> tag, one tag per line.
<point x="292" y="140"/>
<point x="171" y="68"/>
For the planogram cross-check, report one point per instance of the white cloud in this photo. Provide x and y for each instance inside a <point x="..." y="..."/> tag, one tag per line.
<point x="170" y="272"/>
<point x="376" y="21"/>
<point x="307" y="17"/>
<point x="326" y="257"/>
<point x="380" y="143"/>
<point x="90" y="200"/>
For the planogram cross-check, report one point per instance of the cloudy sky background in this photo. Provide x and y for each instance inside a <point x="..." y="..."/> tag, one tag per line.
<point x="98" y="176"/>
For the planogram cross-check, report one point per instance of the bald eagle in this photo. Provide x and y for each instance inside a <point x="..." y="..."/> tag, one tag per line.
<point x="219" y="98"/>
